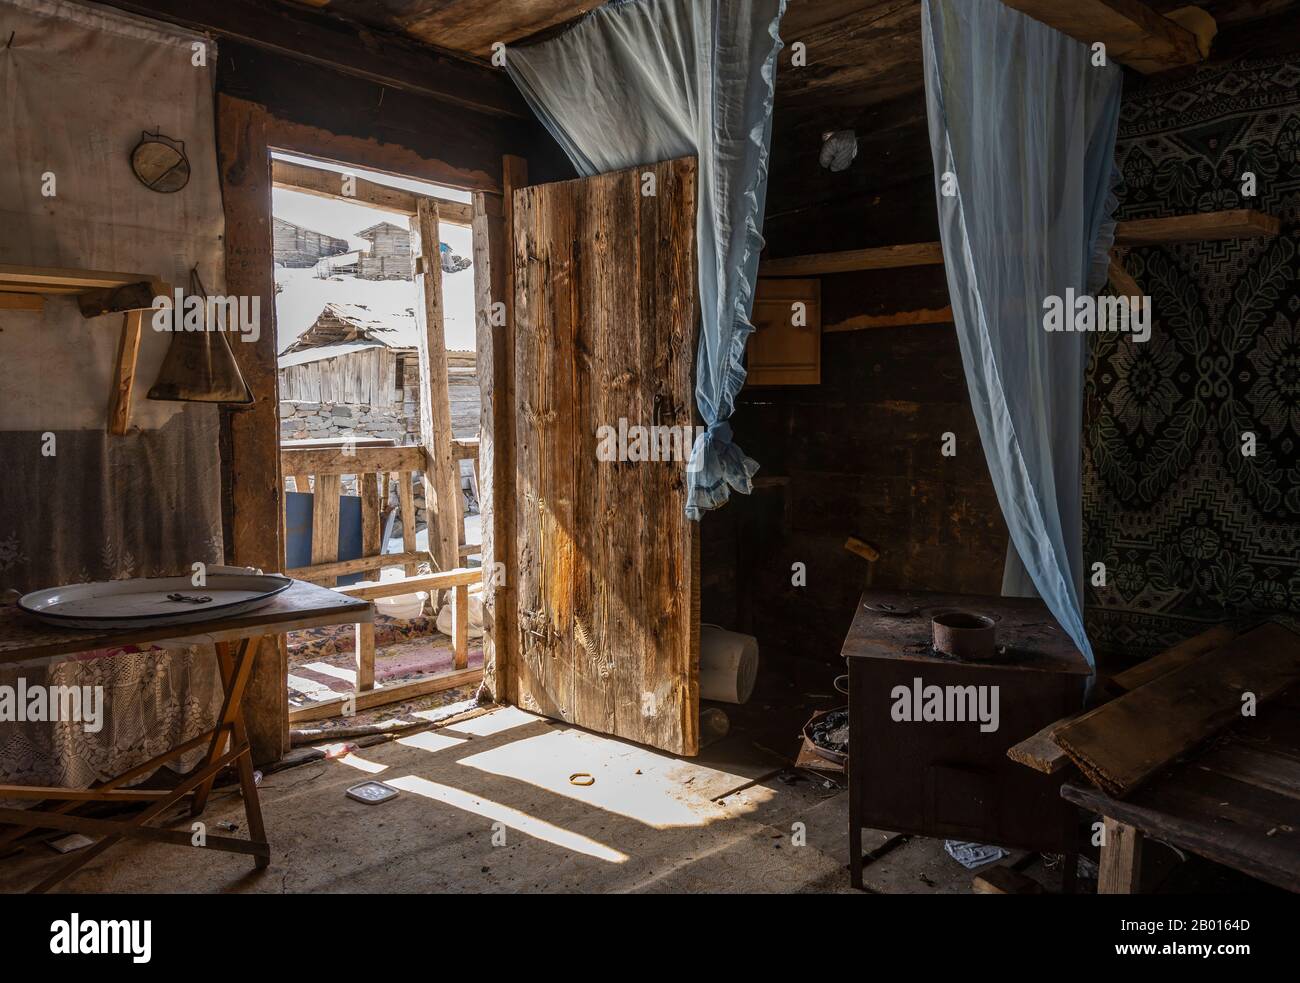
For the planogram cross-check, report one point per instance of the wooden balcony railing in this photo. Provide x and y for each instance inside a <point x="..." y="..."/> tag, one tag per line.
<point x="321" y="471"/>
<point x="367" y="694"/>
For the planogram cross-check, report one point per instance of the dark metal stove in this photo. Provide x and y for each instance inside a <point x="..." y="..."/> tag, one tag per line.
<point x="915" y="765"/>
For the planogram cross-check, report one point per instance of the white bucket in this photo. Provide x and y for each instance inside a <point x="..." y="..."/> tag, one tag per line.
<point x="406" y="606"/>
<point x="728" y="665"/>
<point x="475" y="613"/>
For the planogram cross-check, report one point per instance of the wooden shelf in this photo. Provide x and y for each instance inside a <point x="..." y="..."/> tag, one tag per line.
<point x="894" y="319"/>
<point x="851" y="260"/>
<point x="98" y="292"/>
<point x="59" y="280"/>
<point x="1237" y="223"/>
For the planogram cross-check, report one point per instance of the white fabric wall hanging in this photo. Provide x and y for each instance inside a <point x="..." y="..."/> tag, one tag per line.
<point x="1022" y="130"/>
<point x="80" y="84"/>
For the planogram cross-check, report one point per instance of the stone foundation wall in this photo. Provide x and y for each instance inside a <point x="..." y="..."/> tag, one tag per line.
<point x="337" y="421"/>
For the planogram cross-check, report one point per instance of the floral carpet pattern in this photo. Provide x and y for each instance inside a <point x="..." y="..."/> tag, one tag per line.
<point x="1192" y="526"/>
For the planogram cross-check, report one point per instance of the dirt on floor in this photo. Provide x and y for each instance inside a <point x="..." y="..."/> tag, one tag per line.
<point x="500" y="800"/>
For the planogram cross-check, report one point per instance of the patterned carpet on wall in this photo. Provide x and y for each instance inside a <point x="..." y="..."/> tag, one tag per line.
<point x="1192" y="530"/>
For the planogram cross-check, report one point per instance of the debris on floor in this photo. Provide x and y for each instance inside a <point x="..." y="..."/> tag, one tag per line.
<point x="972" y="855"/>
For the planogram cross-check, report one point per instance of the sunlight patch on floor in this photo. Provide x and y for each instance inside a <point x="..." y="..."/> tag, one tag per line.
<point x="310" y="689"/>
<point x="649" y="786"/>
<point x="431" y="740"/>
<point x="361" y="764"/>
<point x="494" y="722"/>
<point x="338" y="672"/>
<point x="513" y="818"/>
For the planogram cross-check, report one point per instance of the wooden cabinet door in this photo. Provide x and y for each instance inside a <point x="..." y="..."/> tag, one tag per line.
<point x="786" y="346"/>
<point x="605" y="326"/>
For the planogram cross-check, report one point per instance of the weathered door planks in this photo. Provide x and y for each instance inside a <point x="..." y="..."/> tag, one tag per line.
<point x="605" y="320"/>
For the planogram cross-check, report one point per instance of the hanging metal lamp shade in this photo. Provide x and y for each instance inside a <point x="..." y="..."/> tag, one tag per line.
<point x="199" y="365"/>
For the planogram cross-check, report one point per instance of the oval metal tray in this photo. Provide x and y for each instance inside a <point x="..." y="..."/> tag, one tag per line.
<point x="144" y="602"/>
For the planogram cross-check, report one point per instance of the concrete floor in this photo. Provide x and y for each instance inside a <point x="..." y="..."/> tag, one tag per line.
<point x="486" y="805"/>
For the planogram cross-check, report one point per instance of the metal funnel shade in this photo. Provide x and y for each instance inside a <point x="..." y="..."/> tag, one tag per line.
<point x="200" y="367"/>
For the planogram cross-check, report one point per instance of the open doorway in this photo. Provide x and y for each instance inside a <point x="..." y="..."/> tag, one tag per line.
<point x="379" y="433"/>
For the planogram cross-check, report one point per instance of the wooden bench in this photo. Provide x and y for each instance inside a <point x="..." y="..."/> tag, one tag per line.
<point x="1236" y="802"/>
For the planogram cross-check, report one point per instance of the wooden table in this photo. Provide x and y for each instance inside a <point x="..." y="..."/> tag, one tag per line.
<point x="237" y="638"/>
<point x="1236" y="802"/>
<point x="950" y="779"/>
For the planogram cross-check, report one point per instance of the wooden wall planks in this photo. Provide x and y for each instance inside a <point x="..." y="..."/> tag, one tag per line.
<point x="605" y="320"/>
<point x="442" y="482"/>
<point x="858" y="455"/>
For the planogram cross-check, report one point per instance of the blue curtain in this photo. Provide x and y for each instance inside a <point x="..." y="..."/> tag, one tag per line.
<point x="642" y="81"/>
<point x="1022" y="129"/>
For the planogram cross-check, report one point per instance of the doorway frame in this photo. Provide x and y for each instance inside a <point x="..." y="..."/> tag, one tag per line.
<point x="253" y="520"/>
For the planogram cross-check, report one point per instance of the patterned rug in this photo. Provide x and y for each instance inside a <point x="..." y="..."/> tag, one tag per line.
<point x="1192" y="530"/>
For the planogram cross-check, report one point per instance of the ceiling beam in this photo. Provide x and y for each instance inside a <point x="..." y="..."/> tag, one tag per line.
<point x="330" y="184"/>
<point x="1134" y="34"/>
<point x="323" y="39"/>
<point x="475" y="25"/>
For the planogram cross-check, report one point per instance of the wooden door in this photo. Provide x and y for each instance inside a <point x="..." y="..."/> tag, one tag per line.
<point x="605" y="328"/>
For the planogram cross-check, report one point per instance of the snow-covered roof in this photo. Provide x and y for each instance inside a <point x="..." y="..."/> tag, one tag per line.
<point x="306" y="355"/>
<point x="303" y="295"/>
<point x="372" y="231"/>
<point x="341" y="323"/>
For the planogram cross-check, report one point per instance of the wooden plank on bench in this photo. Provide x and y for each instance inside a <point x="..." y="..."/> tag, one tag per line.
<point x="1121" y="744"/>
<point x="1172" y="658"/>
<point x="1042" y="753"/>
<point x="1230" y="822"/>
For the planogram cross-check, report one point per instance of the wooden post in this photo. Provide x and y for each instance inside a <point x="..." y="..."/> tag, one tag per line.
<point x="406" y="503"/>
<point x="365" y="639"/>
<point x="460" y="500"/>
<point x="494" y="302"/>
<point x="325" y="521"/>
<point x="441" y="486"/>
<point x="373" y="490"/>
<point x="255" y="516"/>
<point x="460" y="625"/>
<point x="1121" y="858"/>
<point x="1121" y="279"/>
